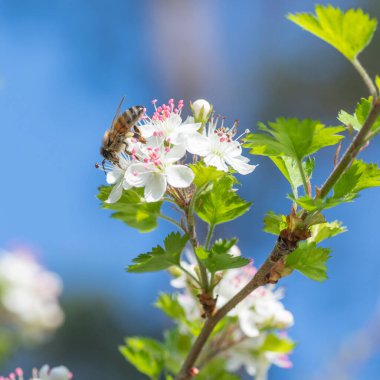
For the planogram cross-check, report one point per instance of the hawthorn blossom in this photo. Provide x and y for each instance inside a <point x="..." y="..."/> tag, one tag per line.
<point x="219" y="148"/>
<point x="202" y="110"/>
<point x="255" y="317"/>
<point x="29" y="296"/>
<point x="155" y="168"/>
<point x="115" y="175"/>
<point x="167" y="122"/>
<point x="45" y="373"/>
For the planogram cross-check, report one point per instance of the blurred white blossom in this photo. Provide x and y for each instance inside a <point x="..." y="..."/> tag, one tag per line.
<point x="28" y="296"/>
<point x="45" y="373"/>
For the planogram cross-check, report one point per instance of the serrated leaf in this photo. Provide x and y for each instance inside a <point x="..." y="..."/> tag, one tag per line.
<point x="349" y="32"/>
<point x="311" y="204"/>
<point x="274" y="224"/>
<point x="131" y="209"/>
<point x="357" y="177"/>
<point x="219" y="203"/>
<point x="218" y="257"/>
<point x="215" y="370"/>
<point x="274" y="343"/>
<point x="145" y="354"/>
<point x="292" y="138"/>
<point x="357" y="120"/>
<point x="310" y="260"/>
<point x="160" y="258"/>
<point x="323" y="231"/>
<point x="205" y="174"/>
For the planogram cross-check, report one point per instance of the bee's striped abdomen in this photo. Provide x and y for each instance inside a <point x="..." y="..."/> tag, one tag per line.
<point x="133" y="115"/>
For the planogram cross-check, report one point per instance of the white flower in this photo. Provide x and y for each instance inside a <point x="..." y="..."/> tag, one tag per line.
<point x="155" y="168"/>
<point x="115" y="176"/>
<point x="201" y="109"/>
<point x="166" y="122"/>
<point x="56" y="373"/>
<point x="29" y="296"/>
<point x="219" y="149"/>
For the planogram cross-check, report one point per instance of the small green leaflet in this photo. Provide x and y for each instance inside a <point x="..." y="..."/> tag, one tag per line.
<point x="214" y="370"/>
<point x="219" y="203"/>
<point x="205" y="174"/>
<point x="274" y="343"/>
<point x="357" y="177"/>
<point x="147" y="355"/>
<point x="131" y="209"/>
<point x="289" y="168"/>
<point x="349" y="32"/>
<point x="323" y="231"/>
<point x="274" y="224"/>
<point x="292" y="138"/>
<point x="160" y="258"/>
<point x="357" y="119"/>
<point x="310" y="260"/>
<point x="218" y="257"/>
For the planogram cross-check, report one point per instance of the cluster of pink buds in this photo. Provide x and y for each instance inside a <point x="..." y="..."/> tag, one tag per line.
<point x="164" y="111"/>
<point x="18" y="374"/>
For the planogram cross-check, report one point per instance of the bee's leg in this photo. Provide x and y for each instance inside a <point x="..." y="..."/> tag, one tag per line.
<point x="139" y="135"/>
<point x="126" y="149"/>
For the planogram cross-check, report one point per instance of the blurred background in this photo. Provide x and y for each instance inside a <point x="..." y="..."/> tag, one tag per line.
<point x="65" y="67"/>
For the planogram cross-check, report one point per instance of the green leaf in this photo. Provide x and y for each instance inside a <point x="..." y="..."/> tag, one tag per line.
<point x="220" y="203"/>
<point x="274" y="224"/>
<point x="377" y="81"/>
<point x="323" y="231"/>
<point x="145" y="354"/>
<point x="292" y="138"/>
<point x="218" y="257"/>
<point x="131" y="209"/>
<point x="311" y="204"/>
<point x="358" y="119"/>
<point x="349" y="32"/>
<point x="357" y="177"/>
<point x="215" y="370"/>
<point x="310" y="260"/>
<point x="160" y="258"/>
<point x="274" y="343"/>
<point x="170" y="306"/>
<point x="205" y="174"/>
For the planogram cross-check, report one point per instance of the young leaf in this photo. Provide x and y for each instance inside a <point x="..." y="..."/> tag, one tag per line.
<point x="145" y="354"/>
<point x="219" y="203"/>
<point x="357" y="177"/>
<point x="292" y="138"/>
<point x="274" y="224"/>
<point x="214" y="370"/>
<point x="218" y="257"/>
<point x="323" y="231"/>
<point x="131" y="209"/>
<point x="274" y="343"/>
<point x="205" y="174"/>
<point x="349" y="32"/>
<point x="311" y="204"/>
<point x="160" y="258"/>
<point x="357" y="120"/>
<point x="310" y="260"/>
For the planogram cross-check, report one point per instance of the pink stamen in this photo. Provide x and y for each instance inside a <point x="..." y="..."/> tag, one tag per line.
<point x="12" y="376"/>
<point x="19" y="372"/>
<point x="154" y="101"/>
<point x="70" y="375"/>
<point x="167" y="149"/>
<point x="136" y="173"/>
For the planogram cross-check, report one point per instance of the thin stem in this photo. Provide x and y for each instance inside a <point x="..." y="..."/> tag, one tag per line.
<point x="303" y="176"/>
<point x="191" y="231"/>
<point x="171" y="220"/>
<point x="189" y="274"/>
<point x="352" y="151"/>
<point x="210" y="232"/>
<point x="366" y="78"/>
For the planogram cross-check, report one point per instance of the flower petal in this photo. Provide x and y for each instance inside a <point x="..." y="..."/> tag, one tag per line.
<point x="175" y="154"/>
<point x="114" y="175"/>
<point x="137" y="174"/>
<point x="147" y="130"/>
<point x="198" y="144"/>
<point x="248" y="323"/>
<point x="179" y="176"/>
<point x="155" y="187"/>
<point x="240" y="164"/>
<point x="217" y="161"/>
<point x="59" y="373"/>
<point x="116" y="192"/>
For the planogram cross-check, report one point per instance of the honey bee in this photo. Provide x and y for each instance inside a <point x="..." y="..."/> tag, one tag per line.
<point x="122" y="127"/>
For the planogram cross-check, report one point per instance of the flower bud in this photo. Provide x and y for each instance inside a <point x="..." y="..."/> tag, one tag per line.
<point x="202" y="110"/>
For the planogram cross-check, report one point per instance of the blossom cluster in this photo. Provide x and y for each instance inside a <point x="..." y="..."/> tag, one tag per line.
<point x="161" y="162"/>
<point x="45" y="373"/>
<point x="258" y="315"/>
<point x="28" y="296"/>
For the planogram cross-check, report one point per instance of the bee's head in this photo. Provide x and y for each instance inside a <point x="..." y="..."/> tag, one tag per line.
<point x="106" y="153"/>
<point x="140" y="110"/>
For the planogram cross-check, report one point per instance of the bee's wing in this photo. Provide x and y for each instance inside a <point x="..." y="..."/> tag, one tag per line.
<point x="117" y="113"/>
